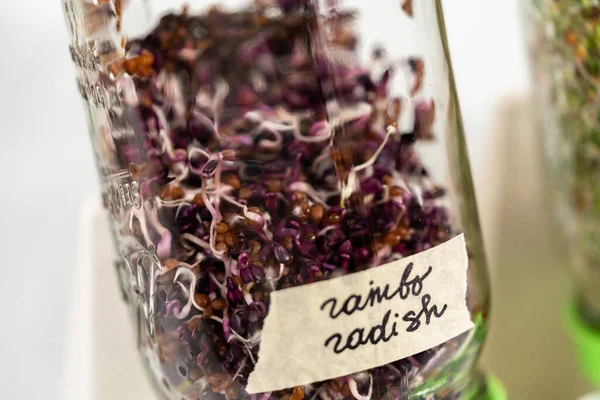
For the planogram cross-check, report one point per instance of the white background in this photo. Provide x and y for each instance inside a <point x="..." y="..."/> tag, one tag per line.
<point x="46" y="162"/>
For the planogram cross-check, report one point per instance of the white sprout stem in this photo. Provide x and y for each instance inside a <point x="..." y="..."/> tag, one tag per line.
<point x="317" y="392"/>
<point x="267" y="218"/>
<point x="382" y="254"/>
<point x="185" y="311"/>
<point x="184" y="289"/>
<point x="188" y="237"/>
<point x="310" y="139"/>
<point x="239" y="337"/>
<point x="218" y="180"/>
<point x="183" y="174"/>
<point x="250" y="355"/>
<point x="282" y="197"/>
<point x="167" y="144"/>
<point x="327" y="229"/>
<point x="153" y="219"/>
<point x="247" y="297"/>
<point x="216" y="218"/>
<point x="312" y="193"/>
<point x="351" y="113"/>
<point x="222" y="90"/>
<point x="192" y="150"/>
<point x="248" y="214"/>
<point x="354" y="389"/>
<point x="390" y="131"/>
<point x="294" y="120"/>
<point x="171" y="203"/>
<point x="322" y="162"/>
<point x="233" y="201"/>
<point x="418" y="193"/>
<point x="386" y="195"/>
<point x="274" y="128"/>
<point x="195" y="317"/>
<point x="222" y="287"/>
<point x="239" y="370"/>
<point x="273" y="280"/>
<point x="181" y="264"/>
<point x="140" y="215"/>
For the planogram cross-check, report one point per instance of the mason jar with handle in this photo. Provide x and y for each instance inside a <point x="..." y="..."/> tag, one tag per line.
<point x="289" y="190"/>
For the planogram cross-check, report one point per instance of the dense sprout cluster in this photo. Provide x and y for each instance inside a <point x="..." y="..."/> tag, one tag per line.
<point x="267" y="157"/>
<point x="569" y="58"/>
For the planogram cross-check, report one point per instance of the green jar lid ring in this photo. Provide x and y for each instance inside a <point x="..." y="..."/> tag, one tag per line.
<point x="495" y="389"/>
<point x="586" y="341"/>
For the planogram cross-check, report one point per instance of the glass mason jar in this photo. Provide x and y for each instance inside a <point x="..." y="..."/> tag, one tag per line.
<point x="565" y="44"/>
<point x="564" y="39"/>
<point x="281" y="149"/>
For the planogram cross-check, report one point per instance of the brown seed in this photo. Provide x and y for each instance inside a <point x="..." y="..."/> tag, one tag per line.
<point x="222" y="351"/>
<point x="233" y="181"/>
<point x="316" y="212"/>
<point x="202" y="300"/>
<point x="255" y="210"/>
<point x="309" y="237"/>
<point x="392" y="238"/>
<point x="298" y="196"/>
<point x="238" y="281"/>
<point x="219" y="304"/>
<point x="402" y="232"/>
<point x="134" y="170"/>
<point x="196" y="374"/>
<point x="333" y="219"/>
<point x="221" y="247"/>
<point x="170" y="263"/>
<point x="258" y="295"/>
<point x="301" y="211"/>
<point x="298" y="393"/>
<point x="216" y="377"/>
<point x="198" y="200"/>
<point x="345" y="391"/>
<point x="192" y="326"/>
<point x="232" y="392"/>
<point x="274" y="185"/>
<point x="254" y="248"/>
<point x="230" y="240"/>
<point x="386" y="179"/>
<point x="207" y="313"/>
<point x="288" y="242"/>
<point x="164" y="193"/>
<point x="335" y="386"/>
<point x="222" y="227"/>
<point x="245" y="193"/>
<point x="396" y="191"/>
<point x="176" y="193"/>
<point x="228" y="153"/>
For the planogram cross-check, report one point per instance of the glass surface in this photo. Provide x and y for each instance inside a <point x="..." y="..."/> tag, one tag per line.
<point x="565" y="48"/>
<point x="252" y="146"/>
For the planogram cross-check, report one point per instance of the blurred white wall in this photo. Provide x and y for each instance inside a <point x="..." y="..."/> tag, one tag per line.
<point x="46" y="162"/>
